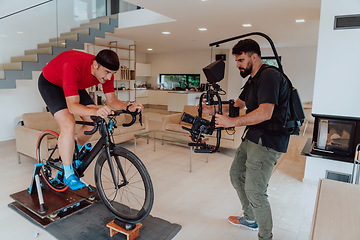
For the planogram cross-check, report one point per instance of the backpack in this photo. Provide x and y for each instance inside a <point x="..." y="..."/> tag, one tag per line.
<point x="295" y="115"/>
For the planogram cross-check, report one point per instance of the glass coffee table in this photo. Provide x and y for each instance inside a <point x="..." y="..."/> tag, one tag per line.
<point x="167" y="137"/>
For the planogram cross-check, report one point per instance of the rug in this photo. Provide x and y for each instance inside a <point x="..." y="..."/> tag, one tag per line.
<point x="90" y="224"/>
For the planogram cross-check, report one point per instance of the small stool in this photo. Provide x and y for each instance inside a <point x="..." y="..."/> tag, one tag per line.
<point x="130" y="234"/>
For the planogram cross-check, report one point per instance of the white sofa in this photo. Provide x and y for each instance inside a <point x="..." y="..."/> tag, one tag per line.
<point x="35" y="123"/>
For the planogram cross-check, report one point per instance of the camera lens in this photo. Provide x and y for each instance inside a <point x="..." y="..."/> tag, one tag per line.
<point x="187" y="118"/>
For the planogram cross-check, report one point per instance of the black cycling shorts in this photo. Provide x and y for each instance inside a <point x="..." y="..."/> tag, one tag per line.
<point x="54" y="97"/>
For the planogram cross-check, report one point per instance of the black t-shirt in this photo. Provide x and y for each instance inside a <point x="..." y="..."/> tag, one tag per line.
<point x="267" y="86"/>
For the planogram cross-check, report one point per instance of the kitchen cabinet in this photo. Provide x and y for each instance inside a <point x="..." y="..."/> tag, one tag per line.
<point x="143" y="70"/>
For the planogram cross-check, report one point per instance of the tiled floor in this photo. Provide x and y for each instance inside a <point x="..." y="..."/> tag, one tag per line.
<point x="200" y="201"/>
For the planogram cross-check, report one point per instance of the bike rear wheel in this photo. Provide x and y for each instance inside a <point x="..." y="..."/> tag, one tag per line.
<point x="131" y="197"/>
<point x="47" y="152"/>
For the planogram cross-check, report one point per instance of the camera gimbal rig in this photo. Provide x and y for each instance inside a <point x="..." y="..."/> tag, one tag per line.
<point x="200" y="126"/>
<point x="214" y="73"/>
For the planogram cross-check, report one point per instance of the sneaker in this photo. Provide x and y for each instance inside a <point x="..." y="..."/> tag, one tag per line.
<point x="241" y="221"/>
<point x="74" y="182"/>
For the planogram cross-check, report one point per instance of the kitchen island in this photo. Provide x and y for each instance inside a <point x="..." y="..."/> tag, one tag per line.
<point x="178" y="99"/>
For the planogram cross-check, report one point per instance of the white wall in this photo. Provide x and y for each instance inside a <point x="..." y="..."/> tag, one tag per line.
<point x="190" y="62"/>
<point x="14" y="102"/>
<point x="337" y="79"/>
<point x="298" y="64"/>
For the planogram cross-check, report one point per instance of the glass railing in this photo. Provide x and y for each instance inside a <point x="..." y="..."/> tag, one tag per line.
<point x="26" y="25"/>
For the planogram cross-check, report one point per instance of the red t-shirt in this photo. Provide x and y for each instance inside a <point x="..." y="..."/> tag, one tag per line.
<point x="71" y="70"/>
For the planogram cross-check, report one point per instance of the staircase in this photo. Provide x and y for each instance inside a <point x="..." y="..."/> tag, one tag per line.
<point x="21" y="67"/>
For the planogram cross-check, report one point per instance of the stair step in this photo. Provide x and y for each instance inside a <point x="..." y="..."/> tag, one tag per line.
<point x="51" y="44"/>
<point x="83" y="31"/>
<point x="26" y="58"/>
<point x="47" y="50"/>
<point x="104" y="19"/>
<point x="12" y="66"/>
<point x="73" y="36"/>
<point x="87" y="26"/>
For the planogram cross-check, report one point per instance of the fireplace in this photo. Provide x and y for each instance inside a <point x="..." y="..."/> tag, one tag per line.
<point x="335" y="137"/>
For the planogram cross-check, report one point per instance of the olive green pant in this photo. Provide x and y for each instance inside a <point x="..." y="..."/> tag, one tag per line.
<point x="250" y="174"/>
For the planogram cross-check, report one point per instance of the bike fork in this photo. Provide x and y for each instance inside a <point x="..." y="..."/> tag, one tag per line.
<point x="112" y="170"/>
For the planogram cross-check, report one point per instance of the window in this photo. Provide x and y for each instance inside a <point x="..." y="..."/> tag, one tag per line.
<point x="179" y="81"/>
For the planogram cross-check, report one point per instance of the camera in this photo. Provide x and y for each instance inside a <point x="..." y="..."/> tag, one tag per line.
<point x="199" y="126"/>
<point x="214" y="73"/>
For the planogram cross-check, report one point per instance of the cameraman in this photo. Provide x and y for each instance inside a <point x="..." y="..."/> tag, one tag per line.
<point x="264" y="95"/>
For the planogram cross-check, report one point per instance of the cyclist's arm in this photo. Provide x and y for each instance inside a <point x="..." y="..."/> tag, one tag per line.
<point x="74" y="106"/>
<point x="117" y="104"/>
<point x="114" y="102"/>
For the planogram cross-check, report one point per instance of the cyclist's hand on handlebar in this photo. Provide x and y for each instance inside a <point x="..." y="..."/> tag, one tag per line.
<point x="135" y="106"/>
<point x="104" y="112"/>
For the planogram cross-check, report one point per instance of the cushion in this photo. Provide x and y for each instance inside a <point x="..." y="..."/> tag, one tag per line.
<point x="40" y="121"/>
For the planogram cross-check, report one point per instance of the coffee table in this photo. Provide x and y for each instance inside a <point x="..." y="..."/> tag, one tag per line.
<point x="168" y="137"/>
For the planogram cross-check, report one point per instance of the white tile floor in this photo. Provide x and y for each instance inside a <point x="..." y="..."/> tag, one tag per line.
<point x="200" y="201"/>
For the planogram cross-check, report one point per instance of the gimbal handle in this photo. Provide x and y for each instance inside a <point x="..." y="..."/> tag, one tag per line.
<point x="218" y="130"/>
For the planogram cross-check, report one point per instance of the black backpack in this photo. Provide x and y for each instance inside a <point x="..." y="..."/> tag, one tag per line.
<point x="295" y="116"/>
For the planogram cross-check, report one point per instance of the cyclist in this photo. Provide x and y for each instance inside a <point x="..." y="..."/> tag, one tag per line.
<point x="62" y="85"/>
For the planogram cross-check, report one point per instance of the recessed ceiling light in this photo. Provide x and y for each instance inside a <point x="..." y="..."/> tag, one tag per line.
<point x="300" y="20"/>
<point x="20" y="32"/>
<point x="149" y="49"/>
<point x="204" y="0"/>
<point x="202" y="29"/>
<point x="247" y="25"/>
<point x="166" y="33"/>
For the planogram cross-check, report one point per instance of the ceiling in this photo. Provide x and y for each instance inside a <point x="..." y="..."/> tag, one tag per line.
<point x="223" y="19"/>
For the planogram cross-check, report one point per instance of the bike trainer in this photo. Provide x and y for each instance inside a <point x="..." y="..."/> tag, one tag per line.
<point x="45" y="206"/>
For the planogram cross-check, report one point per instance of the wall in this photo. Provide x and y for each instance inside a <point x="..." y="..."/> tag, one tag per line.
<point x="51" y="19"/>
<point x="298" y="64"/>
<point x="190" y="62"/>
<point x="337" y="78"/>
<point x="14" y="102"/>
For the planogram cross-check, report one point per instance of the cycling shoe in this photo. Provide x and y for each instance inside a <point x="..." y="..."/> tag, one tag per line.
<point x="74" y="182"/>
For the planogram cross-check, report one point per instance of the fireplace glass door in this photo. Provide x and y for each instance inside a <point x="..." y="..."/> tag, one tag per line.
<point x="335" y="136"/>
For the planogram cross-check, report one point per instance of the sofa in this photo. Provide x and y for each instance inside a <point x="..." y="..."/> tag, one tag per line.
<point x="173" y="123"/>
<point x="34" y="123"/>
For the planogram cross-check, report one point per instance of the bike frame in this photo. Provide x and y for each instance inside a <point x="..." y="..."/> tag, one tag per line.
<point x="103" y="143"/>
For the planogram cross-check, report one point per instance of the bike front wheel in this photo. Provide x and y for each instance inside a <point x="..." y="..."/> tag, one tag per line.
<point x="129" y="193"/>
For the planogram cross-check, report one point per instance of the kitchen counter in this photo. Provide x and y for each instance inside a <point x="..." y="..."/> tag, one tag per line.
<point x="174" y="100"/>
<point x="178" y="99"/>
<point x="184" y="92"/>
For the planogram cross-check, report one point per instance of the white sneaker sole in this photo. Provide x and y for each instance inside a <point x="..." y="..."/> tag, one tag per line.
<point x="241" y="225"/>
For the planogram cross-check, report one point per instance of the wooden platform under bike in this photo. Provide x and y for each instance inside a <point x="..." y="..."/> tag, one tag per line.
<point x="58" y="204"/>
